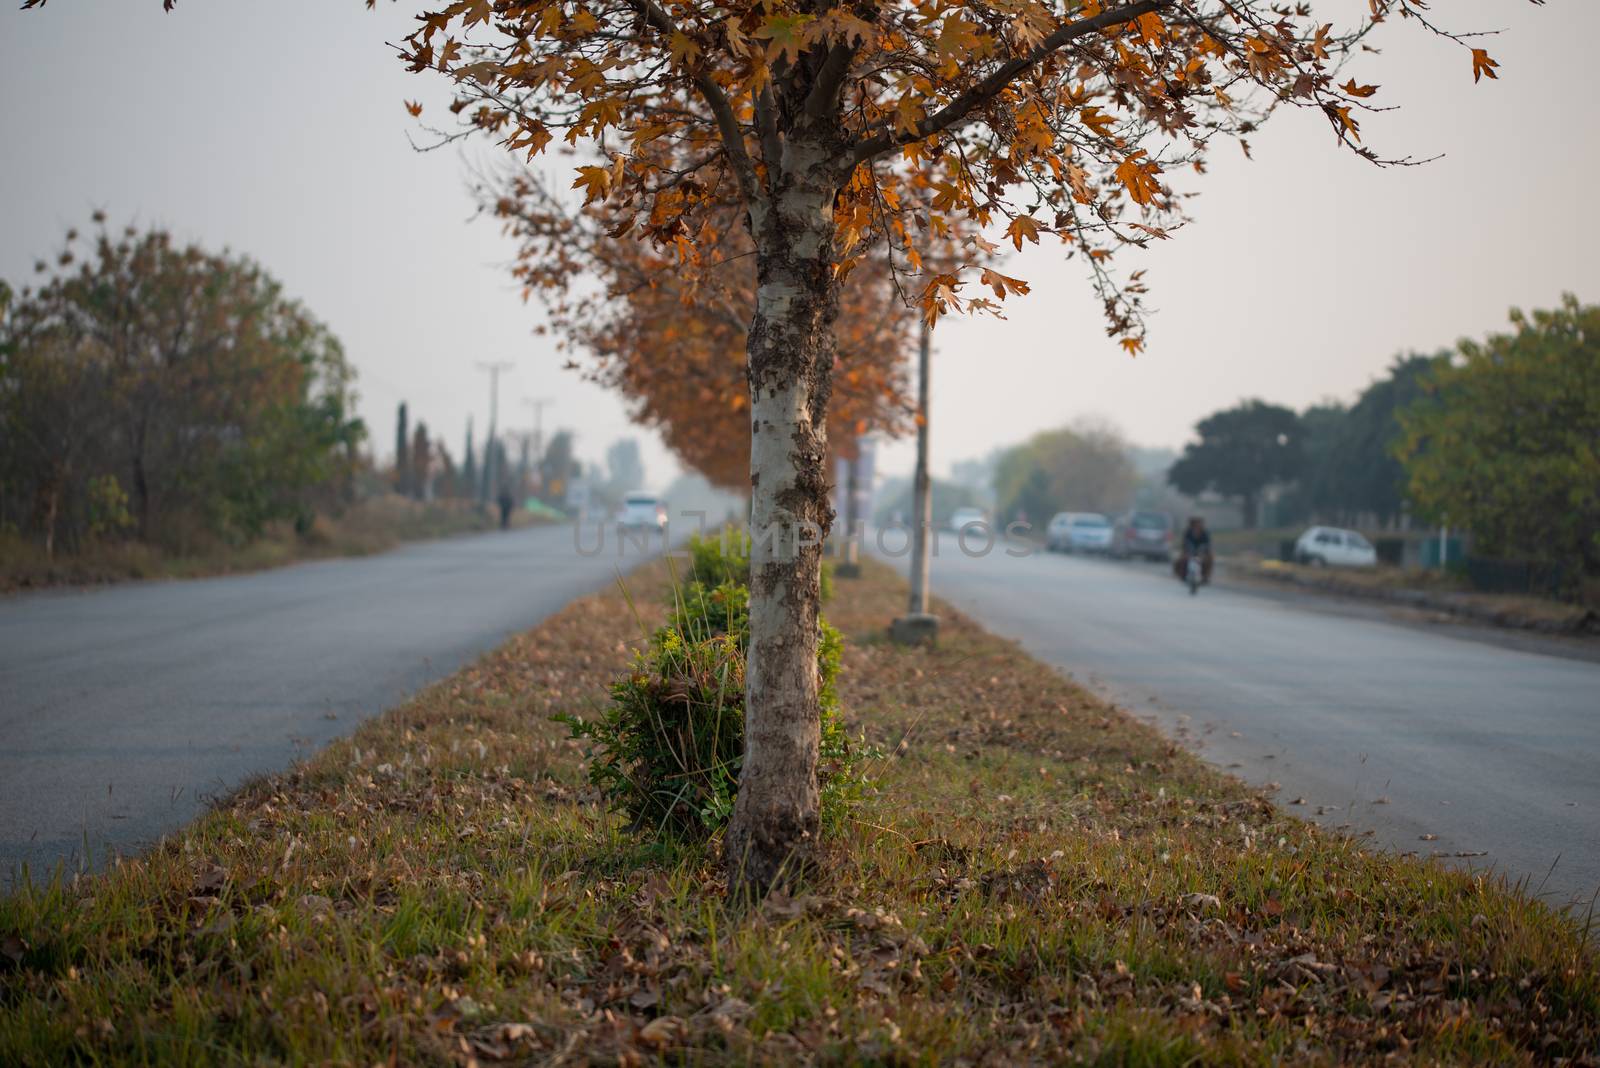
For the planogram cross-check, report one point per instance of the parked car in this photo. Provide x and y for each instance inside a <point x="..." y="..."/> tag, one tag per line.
<point x="1146" y="534"/>
<point x="962" y="518"/>
<point x="1334" y="547"/>
<point x="1078" y="532"/>
<point x="642" y="511"/>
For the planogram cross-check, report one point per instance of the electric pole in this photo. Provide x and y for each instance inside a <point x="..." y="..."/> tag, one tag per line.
<point x="494" y="368"/>
<point x="917" y="625"/>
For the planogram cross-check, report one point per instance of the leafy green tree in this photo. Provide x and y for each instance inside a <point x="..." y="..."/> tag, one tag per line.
<point x="1241" y="452"/>
<point x="1081" y="468"/>
<point x="181" y="382"/>
<point x="1363" y="476"/>
<point x="1505" y="440"/>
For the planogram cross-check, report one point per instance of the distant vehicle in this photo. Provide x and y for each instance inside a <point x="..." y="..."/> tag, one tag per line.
<point x="1334" y="547"/>
<point x="1078" y="532"/>
<point x="962" y="518"/>
<point x="642" y="511"/>
<point x="1146" y="534"/>
<point x="1195" y="574"/>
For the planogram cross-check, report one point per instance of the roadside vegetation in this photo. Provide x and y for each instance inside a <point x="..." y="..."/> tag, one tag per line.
<point x="158" y="393"/>
<point x="373" y="525"/>
<point x="168" y="412"/>
<point x="1027" y="875"/>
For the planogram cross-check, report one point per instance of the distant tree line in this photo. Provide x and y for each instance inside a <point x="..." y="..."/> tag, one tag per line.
<point x="1500" y="437"/>
<point x="158" y="391"/>
<point x="1085" y="467"/>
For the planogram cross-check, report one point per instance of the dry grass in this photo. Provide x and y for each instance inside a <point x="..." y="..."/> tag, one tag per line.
<point x="1037" y="878"/>
<point x="372" y="526"/>
<point x="1429" y="589"/>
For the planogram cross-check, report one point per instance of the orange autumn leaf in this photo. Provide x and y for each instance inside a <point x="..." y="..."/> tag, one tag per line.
<point x="1138" y="176"/>
<point x="1482" y="65"/>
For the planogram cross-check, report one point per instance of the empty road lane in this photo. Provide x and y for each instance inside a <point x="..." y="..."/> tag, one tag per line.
<point x="1407" y="731"/>
<point x="123" y="709"/>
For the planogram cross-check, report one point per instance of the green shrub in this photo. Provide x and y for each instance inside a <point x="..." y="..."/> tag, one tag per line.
<point x="666" y="751"/>
<point x="725" y="557"/>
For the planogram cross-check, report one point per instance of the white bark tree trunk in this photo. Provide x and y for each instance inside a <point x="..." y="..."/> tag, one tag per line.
<point x="772" y="836"/>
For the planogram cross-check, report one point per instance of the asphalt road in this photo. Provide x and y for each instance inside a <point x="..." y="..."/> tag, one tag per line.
<point x="1377" y="724"/>
<point x="122" y="710"/>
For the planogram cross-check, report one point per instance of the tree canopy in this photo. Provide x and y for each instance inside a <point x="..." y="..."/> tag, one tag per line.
<point x="157" y="389"/>
<point x="1081" y="468"/>
<point x="673" y="343"/>
<point x="1241" y="452"/>
<point x="1506" y="438"/>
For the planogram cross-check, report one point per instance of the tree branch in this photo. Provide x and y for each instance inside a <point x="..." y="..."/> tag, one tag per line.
<point x="830" y="79"/>
<point x="962" y="107"/>
<point x="727" y="123"/>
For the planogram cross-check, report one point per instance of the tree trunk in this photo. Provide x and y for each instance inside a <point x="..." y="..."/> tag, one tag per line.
<point x="141" y="485"/>
<point x="772" y="836"/>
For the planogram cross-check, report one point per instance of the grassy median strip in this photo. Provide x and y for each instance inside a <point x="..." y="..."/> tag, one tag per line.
<point x="1035" y="876"/>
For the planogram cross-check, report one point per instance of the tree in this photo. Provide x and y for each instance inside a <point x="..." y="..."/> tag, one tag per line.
<point x="181" y="382"/>
<point x="841" y="128"/>
<point x="624" y="465"/>
<point x="1242" y="451"/>
<point x="674" y="343"/>
<point x="557" y="467"/>
<point x="421" y="463"/>
<point x="1320" y="490"/>
<point x="402" y="453"/>
<point x="467" y="484"/>
<point x="1367" y="478"/>
<point x="1505" y="439"/>
<point x="1084" y="468"/>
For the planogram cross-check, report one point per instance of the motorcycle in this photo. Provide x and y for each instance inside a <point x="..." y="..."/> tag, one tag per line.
<point x="1194" y="574"/>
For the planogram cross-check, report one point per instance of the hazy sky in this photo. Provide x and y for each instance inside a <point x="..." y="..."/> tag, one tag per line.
<point x="279" y="130"/>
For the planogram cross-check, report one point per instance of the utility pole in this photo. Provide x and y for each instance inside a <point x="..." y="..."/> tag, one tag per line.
<point x="917" y="625"/>
<point x="494" y="368"/>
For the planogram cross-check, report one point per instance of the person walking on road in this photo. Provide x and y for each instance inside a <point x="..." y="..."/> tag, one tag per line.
<point x="505" y="503"/>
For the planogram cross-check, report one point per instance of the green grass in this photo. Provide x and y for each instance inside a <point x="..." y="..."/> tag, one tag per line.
<point x="1035" y="877"/>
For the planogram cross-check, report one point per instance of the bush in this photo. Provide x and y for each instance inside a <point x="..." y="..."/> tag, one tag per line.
<point x="667" y="750"/>
<point x="725" y="557"/>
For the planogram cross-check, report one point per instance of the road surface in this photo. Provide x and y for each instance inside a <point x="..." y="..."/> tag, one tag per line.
<point x="123" y="709"/>
<point x="1377" y="724"/>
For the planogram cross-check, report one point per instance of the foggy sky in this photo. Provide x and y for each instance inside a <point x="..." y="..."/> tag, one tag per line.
<point x="279" y="130"/>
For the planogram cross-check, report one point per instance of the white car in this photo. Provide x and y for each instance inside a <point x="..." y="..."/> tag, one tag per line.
<point x="1078" y="532"/>
<point x="1334" y="547"/>
<point x="642" y="511"/>
<point x="962" y="518"/>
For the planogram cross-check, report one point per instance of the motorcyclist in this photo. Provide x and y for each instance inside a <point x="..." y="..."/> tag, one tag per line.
<point x="1196" y="542"/>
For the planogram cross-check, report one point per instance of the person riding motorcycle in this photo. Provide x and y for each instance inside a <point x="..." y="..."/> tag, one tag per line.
<point x="1196" y="542"/>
